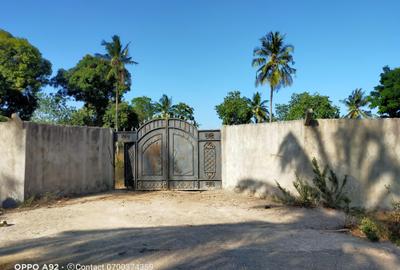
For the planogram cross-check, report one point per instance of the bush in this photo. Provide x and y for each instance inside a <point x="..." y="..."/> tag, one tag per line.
<point x="369" y="228"/>
<point x="393" y="225"/>
<point x="3" y="118"/>
<point x="325" y="189"/>
<point x="286" y="197"/>
<point x="330" y="190"/>
<point x="308" y="195"/>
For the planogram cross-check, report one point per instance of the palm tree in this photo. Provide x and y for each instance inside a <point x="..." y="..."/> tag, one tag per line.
<point x="273" y="60"/>
<point x="183" y="111"/>
<point x="118" y="56"/>
<point x="354" y="102"/>
<point x="164" y="107"/>
<point x="258" y="108"/>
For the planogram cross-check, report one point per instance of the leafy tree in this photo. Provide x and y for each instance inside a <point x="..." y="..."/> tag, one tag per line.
<point x="85" y="116"/>
<point x="164" y="107"/>
<point x="273" y="61"/>
<point x="234" y="110"/>
<point x="144" y="107"/>
<point x="89" y="82"/>
<point x="299" y="103"/>
<point x="23" y="72"/>
<point x="127" y="118"/>
<point x="183" y="111"/>
<point x="281" y="111"/>
<point x="258" y="108"/>
<point x="118" y="56"/>
<point x="386" y="96"/>
<point x="354" y="103"/>
<point x="53" y="109"/>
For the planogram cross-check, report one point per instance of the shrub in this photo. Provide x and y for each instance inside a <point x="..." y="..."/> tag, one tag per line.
<point x="369" y="228"/>
<point x="325" y="189"/>
<point x="330" y="190"/>
<point x="3" y="118"/>
<point x="394" y="224"/>
<point x="308" y="195"/>
<point x="286" y="197"/>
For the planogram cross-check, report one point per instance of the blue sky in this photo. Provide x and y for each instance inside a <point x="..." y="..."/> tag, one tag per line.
<point x="197" y="51"/>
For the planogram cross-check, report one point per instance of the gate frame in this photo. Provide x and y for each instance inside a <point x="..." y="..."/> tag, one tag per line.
<point x="208" y="141"/>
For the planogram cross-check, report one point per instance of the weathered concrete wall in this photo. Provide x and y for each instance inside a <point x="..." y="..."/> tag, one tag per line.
<point x="12" y="161"/>
<point x="63" y="160"/>
<point x="254" y="156"/>
<point x="68" y="160"/>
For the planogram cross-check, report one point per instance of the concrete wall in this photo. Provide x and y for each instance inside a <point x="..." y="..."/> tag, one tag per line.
<point x="64" y="160"/>
<point x="68" y="160"/>
<point x="12" y="161"/>
<point x="254" y="156"/>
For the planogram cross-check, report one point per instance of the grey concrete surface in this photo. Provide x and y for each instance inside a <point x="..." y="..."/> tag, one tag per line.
<point x="12" y="162"/>
<point x="187" y="230"/>
<point x="68" y="160"/>
<point x="254" y="156"/>
<point x="63" y="160"/>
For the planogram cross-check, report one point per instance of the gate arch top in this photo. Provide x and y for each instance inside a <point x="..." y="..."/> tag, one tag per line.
<point x="170" y="123"/>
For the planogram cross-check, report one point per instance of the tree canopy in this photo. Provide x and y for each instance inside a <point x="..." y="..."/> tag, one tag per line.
<point x="273" y="60"/>
<point x="144" y="108"/>
<point x="23" y="71"/>
<point x="89" y="81"/>
<point x="53" y="109"/>
<point x="127" y="117"/>
<point x="234" y="110"/>
<point x="355" y="103"/>
<point x="258" y="108"/>
<point x="166" y="109"/>
<point x="183" y="111"/>
<point x="299" y="103"/>
<point x="386" y="96"/>
<point x="163" y="107"/>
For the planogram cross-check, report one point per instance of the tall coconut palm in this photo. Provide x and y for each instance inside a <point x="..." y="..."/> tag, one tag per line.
<point x="273" y="60"/>
<point x="258" y="108"/>
<point x="164" y="107"/>
<point x="354" y="103"/>
<point x="118" y="56"/>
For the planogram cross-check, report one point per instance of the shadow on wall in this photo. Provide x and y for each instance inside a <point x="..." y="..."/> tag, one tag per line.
<point x="247" y="245"/>
<point x="357" y="150"/>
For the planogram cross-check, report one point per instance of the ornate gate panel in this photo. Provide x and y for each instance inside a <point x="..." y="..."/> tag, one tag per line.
<point x="183" y="156"/>
<point x="172" y="154"/>
<point x="152" y="156"/>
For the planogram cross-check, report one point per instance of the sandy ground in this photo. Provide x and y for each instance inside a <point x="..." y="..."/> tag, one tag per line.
<point x="186" y="230"/>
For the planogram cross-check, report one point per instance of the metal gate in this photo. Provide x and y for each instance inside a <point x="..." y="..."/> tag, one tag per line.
<point x="172" y="154"/>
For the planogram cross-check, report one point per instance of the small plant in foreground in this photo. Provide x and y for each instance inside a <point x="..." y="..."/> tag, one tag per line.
<point x="330" y="190"/>
<point x="325" y="189"/>
<point x="3" y="118"/>
<point x="45" y="198"/>
<point x="286" y="197"/>
<point x="393" y="225"/>
<point x="369" y="228"/>
<point x="308" y="195"/>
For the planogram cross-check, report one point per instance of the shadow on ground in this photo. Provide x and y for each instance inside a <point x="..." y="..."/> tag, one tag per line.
<point x="247" y="245"/>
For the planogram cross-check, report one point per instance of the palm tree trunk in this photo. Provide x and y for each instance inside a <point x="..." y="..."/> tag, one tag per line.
<point x="116" y="108"/>
<point x="270" y="104"/>
<point x="119" y="84"/>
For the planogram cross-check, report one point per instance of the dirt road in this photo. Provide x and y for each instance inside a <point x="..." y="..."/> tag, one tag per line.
<point x="186" y="230"/>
